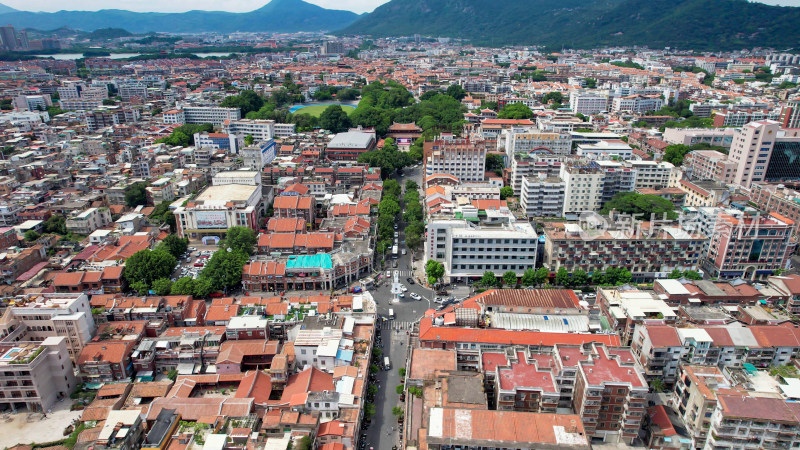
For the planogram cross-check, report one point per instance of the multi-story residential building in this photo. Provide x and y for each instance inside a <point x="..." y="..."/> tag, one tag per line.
<point x="261" y="130"/>
<point x="748" y="422"/>
<point x="616" y="178"/>
<point x="751" y="149"/>
<point x="222" y="141"/>
<point x="709" y="165"/>
<point x="627" y="307"/>
<point x="648" y="252"/>
<point x="161" y="190"/>
<point x="778" y="199"/>
<point x="215" y="115"/>
<point x="218" y="208"/>
<point x="658" y="349"/>
<point x="609" y="149"/>
<point x="652" y="174"/>
<point x="174" y="116"/>
<point x="467" y="250"/>
<point x="588" y="103"/>
<point x="35" y="375"/>
<point x="638" y="104"/>
<point x="532" y="166"/>
<point x="464" y="158"/>
<point x="349" y="145"/>
<point x="106" y="361"/>
<point x="520" y="382"/>
<point x="739" y="117"/>
<point x="51" y="315"/>
<point x="542" y="196"/>
<point x="702" y="192"/>
<point x="583" y="187"/>
<point x="88" y="221"/>
<point x="241" y="177"/>
<point x="32" y="102"/>
<point x="749" y="246"/>
<point x="790" y="114"/>
<point x="259" y="156"/>
<point x="696" y="398"/>
<point x="526" y="142"/>
<point x="718" y="137"/>
<point x="611" y="395"/>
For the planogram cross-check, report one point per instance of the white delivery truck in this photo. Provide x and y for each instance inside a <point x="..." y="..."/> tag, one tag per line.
<point x="386" y="364"/>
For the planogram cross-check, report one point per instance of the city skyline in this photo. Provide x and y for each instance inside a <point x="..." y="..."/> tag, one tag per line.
<point x="357" y="6"/>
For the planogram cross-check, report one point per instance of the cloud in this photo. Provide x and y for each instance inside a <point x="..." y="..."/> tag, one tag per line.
<point x="358" y="6"/>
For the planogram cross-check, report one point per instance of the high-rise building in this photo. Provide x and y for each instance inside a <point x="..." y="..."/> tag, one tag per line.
<point x="464" y="158"/>
<point x="751" y="150"/>
<point x="790" y="114"/>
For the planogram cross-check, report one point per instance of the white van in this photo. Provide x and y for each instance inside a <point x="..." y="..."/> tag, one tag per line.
<point x="391" y="313"/>
<point x="386" y="364"/>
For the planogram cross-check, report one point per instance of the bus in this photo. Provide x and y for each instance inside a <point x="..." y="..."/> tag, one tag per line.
<point x="394" y="252"/>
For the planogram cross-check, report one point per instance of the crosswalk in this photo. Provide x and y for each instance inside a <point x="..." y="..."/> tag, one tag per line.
<point x="403" y="274"/>
<point x="395" y="325"/>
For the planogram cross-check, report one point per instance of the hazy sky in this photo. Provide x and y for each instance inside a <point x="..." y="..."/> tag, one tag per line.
<point x="358" y="6"/>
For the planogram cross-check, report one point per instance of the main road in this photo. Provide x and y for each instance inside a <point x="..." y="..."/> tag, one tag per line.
<point x="383" y="432"/>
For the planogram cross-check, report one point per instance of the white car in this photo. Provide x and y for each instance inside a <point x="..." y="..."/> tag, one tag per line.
<point x="401" y="295"/>
<point x="388" y="274"/>
<point x="415" y="296"/>
<point x="438" y="300"/>
<point x="403" y="288"/>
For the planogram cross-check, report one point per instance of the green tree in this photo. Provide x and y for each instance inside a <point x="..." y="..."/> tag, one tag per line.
<point x="489" y="279"/>
<point x="136" y="195"/>
<point x="246" y="101"/>
<point x="241" y="239"/>
<point x="140" y="287"/>
<point x="505" y="192"/>
<point x="399" y="389"/>
<point x="640" y="205"/>
<point x="397" y="411"/>
<point x="172" y="374"/>
<point x="203" y="287"/>
<point x="510" y="278"/>
<point x="456" y="91"/>
<point x="692" y="275"/>
<point x="392" y="187"/>
<point x="434" y="270"/>
<point x="162" y="286"/>
<point x="528" y="277"/>
<point x="304" y="443"/>
<point x="183" y="286"/>
<point x="149" y="265"/>
<point x="580" y="278"/>
<point x="494" y="163"/>
<point x="675" y="274"/>
<point x="515" y="111"/>
<point x="56" y="224"/>
<point x="657" y="385"/>
<point x="675" y="153"/>
<point x="541" y="276"/>
<point x="554" y="96"/>
<point x="562" y="277"/>
<point x="174" y="245"/>
<point x="248" y="140"/>
<point x="224" y="268"/>
<point x="334" y="119"/>
<point x="411" y="185"/>
<point x="31" y="235"/>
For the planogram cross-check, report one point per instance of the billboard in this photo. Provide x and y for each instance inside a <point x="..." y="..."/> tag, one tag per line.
<point x="211" y="219"/>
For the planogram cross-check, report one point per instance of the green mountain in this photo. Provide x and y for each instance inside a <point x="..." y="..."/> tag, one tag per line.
<point x="696" y="24"/>
<point x="6" y="9"/>
<point x="277" y="16"/>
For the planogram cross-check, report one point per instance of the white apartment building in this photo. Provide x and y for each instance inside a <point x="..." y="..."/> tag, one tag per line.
<point x="616" y="178"/>
<point x="709" y="165"/>
<point x="749" y="422"/>
<point x="722" y="137"/>
<point x="542" y="196"/>
<point x="174" y="116"/>
<point x="606" y="150"/>
<point x="751" y="150"/>
<point x="51" y="315"/>
<point x="318" y="348"/>
<point x="89" y="220"/>
<point x="638" y="104"/>
<point x="533" y="165"/>
<point x="214" y="115"/>
<point x="79" y="104"/>
<point x="555" y="143"/>
<point x="583" y="187"/>
<point x="588" y="103"/>
<point x="464" y="158"/>
<point x="258" y="156"/>
<point x="243" y="177"/>
<point x="35" y="375"/>
<point x="131" y="90"/>
<point x="467" y="250"/>
<point x="261" y="130"/>
<point x="32" y="102"/>
<point x="652" y="174"/>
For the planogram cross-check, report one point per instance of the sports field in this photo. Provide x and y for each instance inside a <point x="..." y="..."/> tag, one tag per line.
<point x="316" y="110"/>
